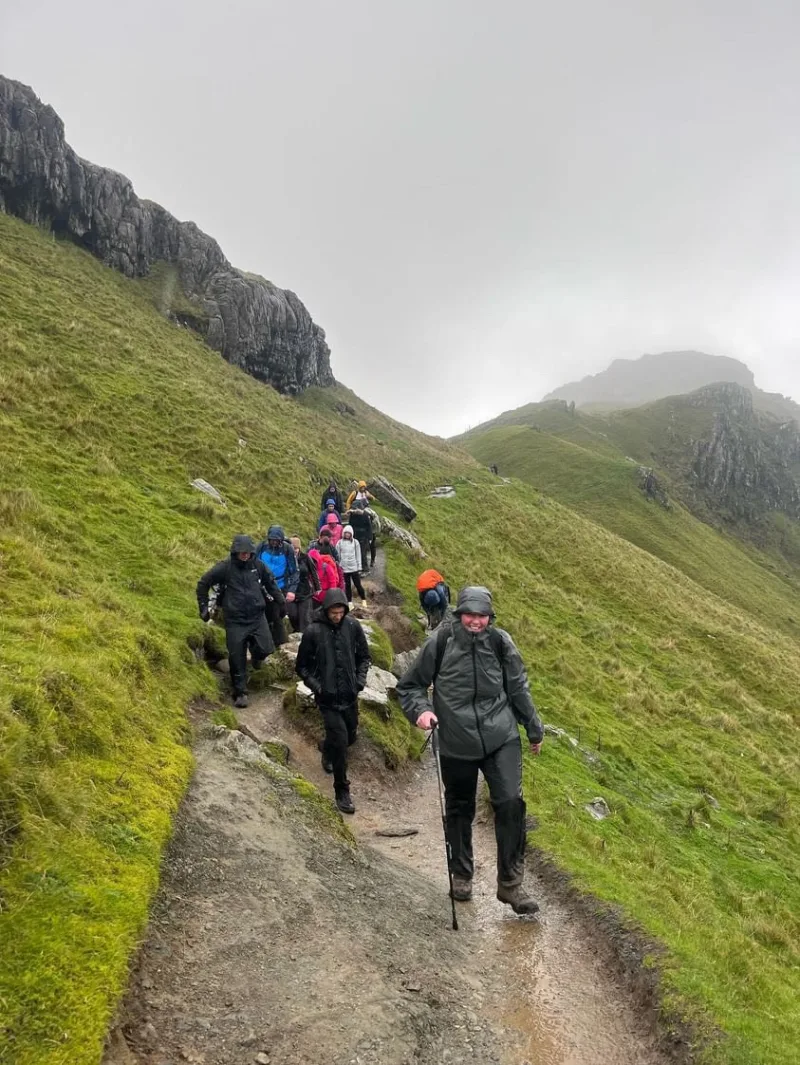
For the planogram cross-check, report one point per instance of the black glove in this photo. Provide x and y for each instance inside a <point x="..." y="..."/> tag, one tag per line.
<point x="204" y="614"/>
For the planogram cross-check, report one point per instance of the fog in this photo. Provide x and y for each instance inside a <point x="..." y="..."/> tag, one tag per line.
<point x="477" y="202"/>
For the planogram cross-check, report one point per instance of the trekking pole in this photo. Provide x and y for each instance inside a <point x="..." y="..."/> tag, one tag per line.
<point x="448" y="849"/>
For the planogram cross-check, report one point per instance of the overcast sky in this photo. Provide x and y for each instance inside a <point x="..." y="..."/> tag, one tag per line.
<point x="478" y="201"/>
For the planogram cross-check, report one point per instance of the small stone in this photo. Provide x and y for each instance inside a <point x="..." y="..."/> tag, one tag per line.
<point x="262" y="1059"/>
<point x="598" y="809"/>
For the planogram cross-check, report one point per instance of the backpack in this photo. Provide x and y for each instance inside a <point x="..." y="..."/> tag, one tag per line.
<point x="495" y="639"/>
<point x="217" y="593"/>
<point x="428" y="580"/>
<point x="328" y="572"/>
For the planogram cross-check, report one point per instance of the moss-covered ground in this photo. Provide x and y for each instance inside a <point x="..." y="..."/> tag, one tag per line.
<point x="683" y="686"/>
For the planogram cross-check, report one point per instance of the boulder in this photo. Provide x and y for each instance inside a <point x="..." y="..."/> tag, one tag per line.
<point x="404" y="661"/>
<point x="381" y="685"/>
<point x="403" y="536"/>
<point x="387" y="494"/>
<point x="445" y="491"/>
<point x="263" y="329"/>
<point x="305" y="697"/>
<point x="598" y="809"/>
<point x="208" y="489"/>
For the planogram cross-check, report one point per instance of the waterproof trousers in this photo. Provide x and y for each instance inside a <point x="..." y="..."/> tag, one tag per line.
<point x="365" y="553"/>
<point x="351" y="579"/>
<point x="276" y="626"/>
<point x="239" y="636"/>
<point x="503" y="773"/>
<point x="341" y="729"/>
<point x="300" y="613"/>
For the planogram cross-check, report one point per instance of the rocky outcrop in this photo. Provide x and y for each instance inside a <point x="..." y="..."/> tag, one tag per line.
<point x="255" y="325"/>
<point x="749" y="464"/>
<point x="386" y="493"/>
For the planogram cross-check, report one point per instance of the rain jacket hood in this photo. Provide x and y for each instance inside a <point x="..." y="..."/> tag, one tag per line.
<point x="241" y="544"/>
<point x="475" y="599"/>
<point x="335" y="597"/>
<point x="347" y="529"/>
<point x="275" y="532"/>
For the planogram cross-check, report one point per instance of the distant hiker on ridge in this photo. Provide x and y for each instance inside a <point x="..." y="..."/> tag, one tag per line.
<point x="360" y="495"/>
<point x="350" y="560"/>
<point x="277" y="554"/>
<point x="333" y="661"/>
<point x="332" y="492"/>
<point x="301" y="608"/>
<point x="245" y="584"/>
<point x="434" y="596"/>
<point x="480" y="697"/>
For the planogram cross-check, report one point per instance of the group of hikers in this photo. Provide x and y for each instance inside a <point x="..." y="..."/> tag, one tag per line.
<point x="468" y="681"/>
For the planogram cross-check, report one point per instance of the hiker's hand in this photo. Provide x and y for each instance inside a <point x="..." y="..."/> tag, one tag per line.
<point x="426" y="720"/>
<point x="536" y="748"/>
<point x="204" y="615"/>
<point x="290" y="597"/>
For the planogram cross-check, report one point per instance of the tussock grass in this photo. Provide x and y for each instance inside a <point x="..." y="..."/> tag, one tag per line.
<point x="682" y="686"/>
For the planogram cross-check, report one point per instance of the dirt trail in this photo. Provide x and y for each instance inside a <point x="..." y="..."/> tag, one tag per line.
<point x="269" y="939"/>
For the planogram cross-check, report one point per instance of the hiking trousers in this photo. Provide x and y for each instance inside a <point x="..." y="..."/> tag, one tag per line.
<point x="351" y="579"/>
<point x="299" y="613"/>
<point x="239" y="636"/>
<point x="341" y="729"/>
<point x="502" y="770"/>
<point x="276" y="626"/>
<point x="365" y="552"/>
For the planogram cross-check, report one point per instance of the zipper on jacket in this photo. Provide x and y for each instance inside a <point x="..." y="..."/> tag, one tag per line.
<point x="475" y="698"/>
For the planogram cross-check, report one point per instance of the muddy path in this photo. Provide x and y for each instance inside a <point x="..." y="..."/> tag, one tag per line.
<point x="272" y="942"/>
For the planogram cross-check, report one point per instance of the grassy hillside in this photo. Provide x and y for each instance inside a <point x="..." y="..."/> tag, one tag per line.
<point x="685" y="704"/>
<point x="607" y="490"/>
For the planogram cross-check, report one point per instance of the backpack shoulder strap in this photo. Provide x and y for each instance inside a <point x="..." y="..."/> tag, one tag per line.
<point x="442" y="638"/>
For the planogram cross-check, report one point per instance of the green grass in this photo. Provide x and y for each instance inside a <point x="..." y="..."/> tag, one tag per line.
<point x="107" y="412"/>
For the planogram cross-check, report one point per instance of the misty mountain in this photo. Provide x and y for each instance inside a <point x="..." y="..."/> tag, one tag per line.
<point x="632" y="382"/>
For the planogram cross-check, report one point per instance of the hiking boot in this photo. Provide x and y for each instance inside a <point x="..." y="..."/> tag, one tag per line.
<point x="344" y="802"/>
<point x="240" y="702"/>
<point x="462" y="889"/>
<point x="364" y="601"/>
<point x="518" y="899"/>
<point x="327" y="765"/>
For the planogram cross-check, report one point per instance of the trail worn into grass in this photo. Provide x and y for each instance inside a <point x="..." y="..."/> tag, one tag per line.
<point x="270" y="938"/>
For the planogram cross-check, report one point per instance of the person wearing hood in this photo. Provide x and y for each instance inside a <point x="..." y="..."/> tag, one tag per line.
<point x="332" y="493"/>
<point x="362" y="531"/>
<point x="334" y="527"/>
<point x="278" y="556"/>
<point x="244" y="585"/>
<point x="359" y="495"/>
<point x="350" y="561"/>
<point x="333" y="661"/>
<point x="329" y="508"/>
<point x="324" y="538"/>
<point x="480" y="698"/>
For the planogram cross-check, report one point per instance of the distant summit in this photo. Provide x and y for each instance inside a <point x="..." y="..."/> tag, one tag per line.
<point x="632" y="382"/>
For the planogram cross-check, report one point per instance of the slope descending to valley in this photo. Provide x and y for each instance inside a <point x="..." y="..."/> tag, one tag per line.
<point x="684" y="705"/>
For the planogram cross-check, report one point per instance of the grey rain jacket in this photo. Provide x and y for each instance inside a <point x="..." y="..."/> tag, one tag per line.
<point x="479" y="702"/>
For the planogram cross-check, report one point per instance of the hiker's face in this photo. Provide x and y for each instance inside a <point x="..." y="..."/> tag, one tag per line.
<point x="336" y="613"/>
<point x="244" y="556"/>
<point x="274" y="543"/>
<point x="475" y="623"/>
<point x="296" y="547"/>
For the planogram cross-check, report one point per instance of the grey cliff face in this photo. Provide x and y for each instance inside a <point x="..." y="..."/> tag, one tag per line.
<point x="255" y="325"/>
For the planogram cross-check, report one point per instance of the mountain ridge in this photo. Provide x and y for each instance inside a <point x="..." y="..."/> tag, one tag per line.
<point x="263" y="329"/>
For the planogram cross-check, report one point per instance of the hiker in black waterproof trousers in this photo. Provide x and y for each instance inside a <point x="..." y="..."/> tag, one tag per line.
<point x="244" y="585"/>
<point x="480" y="698"/>
<point x="333" y="661"/>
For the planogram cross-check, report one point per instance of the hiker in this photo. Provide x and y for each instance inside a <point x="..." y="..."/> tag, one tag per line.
<point x="359" y="494"/>
<point x="375" y="521"/>
<point x="329" y="571"/>
<point x="362" y="531"/>
<point x="301" y="607"/>
<point x="434" y="596"/>
<point x="334" y="527"/>
<point x="244" y="585"/>
<point x="333" y="661"/>
<point x="329" y="508"/>
<point x="324" y="537"/>
<point x="350" y="561"/>
<point x="277" y="554"/>
<point x="332" y="493"/>
<point x="480" y="697"/>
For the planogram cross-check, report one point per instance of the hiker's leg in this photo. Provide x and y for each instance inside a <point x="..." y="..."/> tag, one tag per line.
<point x="350" y="715"/>
<point x="348" y="587"/>
<point x="460" y="779"/>
<point x="335" y="745"/>
<point x="236" y="641"/>
<point x="503" y="772"/>
<point x="304" y="608"/>
<point x="373" y="550"/>
<point x="276" y="625"/>
<point x="359" y="586"/>
<point x="293" y="613"/>
<point x="260" y="642"/>
<point x="364" y="552"/>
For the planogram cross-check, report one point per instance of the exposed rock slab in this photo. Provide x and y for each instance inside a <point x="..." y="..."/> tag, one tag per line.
<point x="255" y="325"/>
<point x="392" y="497"/>
<point x="403" y="536"/>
